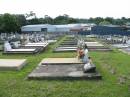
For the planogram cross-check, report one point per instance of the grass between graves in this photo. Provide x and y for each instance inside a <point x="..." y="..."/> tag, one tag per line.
<point x="15" y="83"/>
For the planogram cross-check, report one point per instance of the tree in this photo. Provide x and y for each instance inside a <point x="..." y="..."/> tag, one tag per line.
<point x="118" y="22"/>
<point x="64" y="19"/>
<point x="104" y="23"/>
<point x="21" y="19"/>
<point x="72" y="20"/>
<point x="42" y="21"/>
<point x="82" y="21"/>
<point x="30" y="14"/>
<point x="1" y="23"/>
<point x="10" y="23"/>
<point x="98" y="20"/>
<point x="33" y="21"/>
<point x="109" y="19"/>
<point x="48" y="20"/>
<point x="61" y="19"/>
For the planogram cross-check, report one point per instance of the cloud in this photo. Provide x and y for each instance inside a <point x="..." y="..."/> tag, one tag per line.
<point x="74" y="8"/>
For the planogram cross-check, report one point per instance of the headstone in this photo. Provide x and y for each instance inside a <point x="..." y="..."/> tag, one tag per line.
<point x="89" y="68"/>
<point x="7" y="46"/>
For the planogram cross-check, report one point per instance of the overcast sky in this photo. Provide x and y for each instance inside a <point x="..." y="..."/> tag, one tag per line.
<point x="74" y="8"/>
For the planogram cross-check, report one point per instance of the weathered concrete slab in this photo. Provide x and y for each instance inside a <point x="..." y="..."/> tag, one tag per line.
<point x="65" y="50"/>
<point x="120" y="46"/>
<point x="75" y="47"/>
<point x="73" y="71"/>
<point x="125" y="50"/>
<point x="68" y="44"/>
<point x="69" y="40"/>
<point x="61" y="61"/>
<point x="97" y="47"/>
<point x="102" y="49"/>
<point x="37" y="43"/>
<point x="93" y="44"/>
<point x="12" y="64"/>
<point x="67" y="47"/>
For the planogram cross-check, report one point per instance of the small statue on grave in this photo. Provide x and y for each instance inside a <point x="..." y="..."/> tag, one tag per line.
<point x="89" y="66"/>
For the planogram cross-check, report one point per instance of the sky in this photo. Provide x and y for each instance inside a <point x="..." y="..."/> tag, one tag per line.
<point x="74" y="8"/>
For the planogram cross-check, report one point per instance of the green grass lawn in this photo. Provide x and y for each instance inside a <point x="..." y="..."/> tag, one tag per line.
<point x="15" y="83"/>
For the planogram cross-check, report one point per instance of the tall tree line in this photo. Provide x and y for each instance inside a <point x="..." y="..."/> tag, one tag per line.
<point x="12" y="23"/>
<point x="66" y="19"/>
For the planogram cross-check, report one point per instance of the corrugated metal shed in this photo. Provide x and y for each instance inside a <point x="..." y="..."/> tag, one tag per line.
<point x="38" y="28"/>
<point x="52" y="28"/>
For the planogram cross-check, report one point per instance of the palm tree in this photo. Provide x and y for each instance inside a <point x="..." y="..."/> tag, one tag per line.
<point x="31" y="13"/>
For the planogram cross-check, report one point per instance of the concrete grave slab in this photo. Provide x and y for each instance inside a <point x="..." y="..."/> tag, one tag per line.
<point x="125" y="50"/>
<point x="68" y="44"/>
<point x="63" y="71"/>
<point x="67" y="47"/>
<point x="64" y="50"/>
<point x="120" y="46"/>
<point x="94" y="44"/>
<point x="61" y="61"/>
<point x="89" y="48"/>
<point x="12" y="64"/>
<point x="101" y="50"/>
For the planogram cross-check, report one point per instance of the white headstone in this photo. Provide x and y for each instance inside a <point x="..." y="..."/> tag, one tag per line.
<point x="7" y="46"/>
<point x="128" y="42"/>
<point x="87" y="66"/>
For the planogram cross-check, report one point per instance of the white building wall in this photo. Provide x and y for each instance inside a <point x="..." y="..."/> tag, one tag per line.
<point x="30" y="29"/>
<point x="37" y="28"/>
<point x="62" y="29"/>
<point x="53" y="28"/>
